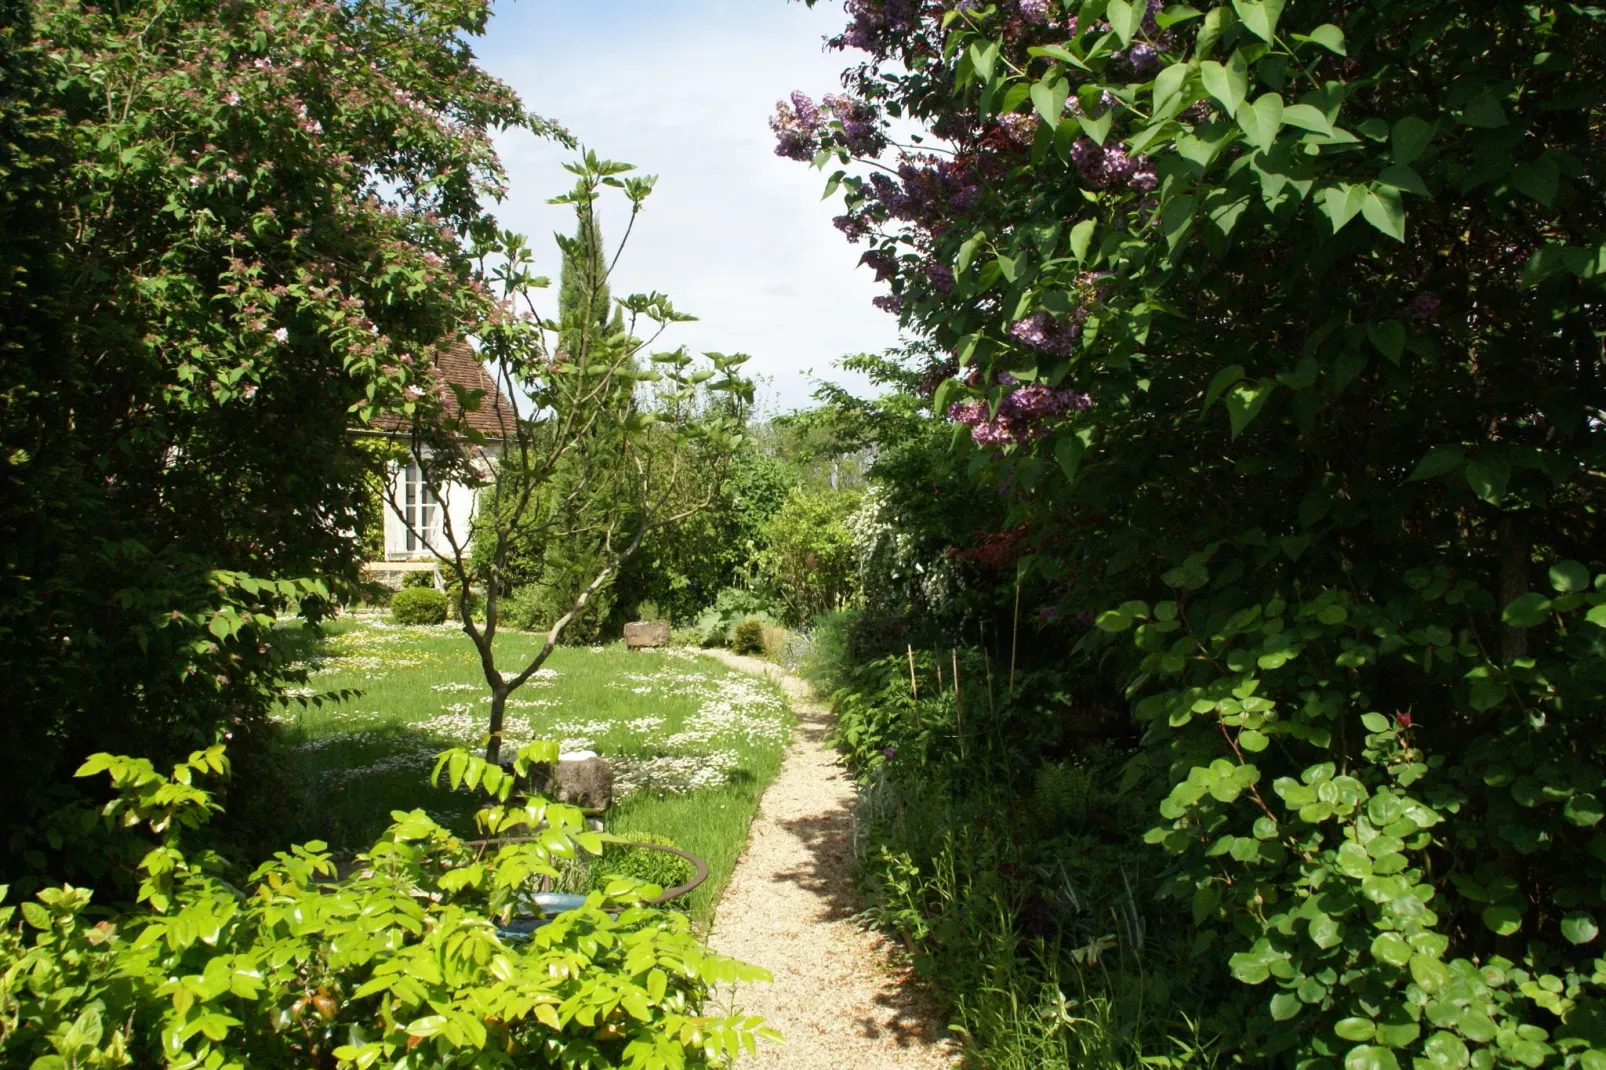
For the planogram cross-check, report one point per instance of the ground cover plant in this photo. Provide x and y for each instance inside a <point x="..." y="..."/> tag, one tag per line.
<point x="402" y="964"/>
<point x="692" y="744"/>
<point x="1275" y="328"/>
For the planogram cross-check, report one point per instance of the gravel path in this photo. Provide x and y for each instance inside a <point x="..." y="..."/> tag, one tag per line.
<point x="837" y="997"/>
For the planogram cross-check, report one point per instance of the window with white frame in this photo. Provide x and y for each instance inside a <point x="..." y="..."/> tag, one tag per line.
<point x="421" y="509"/>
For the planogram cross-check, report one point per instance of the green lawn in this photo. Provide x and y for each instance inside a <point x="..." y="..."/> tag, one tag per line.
<point x="693" y="744"/>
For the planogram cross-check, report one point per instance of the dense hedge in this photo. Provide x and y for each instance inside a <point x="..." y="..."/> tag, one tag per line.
<point x="418" y="605"/>
<point x="1278" y="327"/>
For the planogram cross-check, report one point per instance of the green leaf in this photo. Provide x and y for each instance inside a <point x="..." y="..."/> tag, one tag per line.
<point x="1529" y="611"/>
<point x="1221" y="381"/>
<point x="1385" y="211"/>
<point x="1484" y="112"/>
<point x="1502" y="920"/>
<point x="1262" y="121"/>
<point x="1285" y="1005"/>
<point x="1597" y="616"/>
<point x="1392" y="949"/>
<point x="1326" y="932"/>
<point x="1068" y="452"/>
<point x="983" y="55"/>
<point x="1342" y="203"/>
<point x="1327" y="35"/>
<point x="1307" y="117"/>
<point x="1355" y="1029"/>
<point x="1049" y="99"/>
<point x="1375" y="722"/>
<point x="1388" y="337"/>
<point x="1410" y="138"/>
<point x="1367" y="1057"/>
<point x="1124" y="18"/>
<point x="1252" y="741"/>
<point x="1488" y="479"/>
<point x="1569" y="577"/>
<point x="1403" y="178"/>
<point x="1579" y="928"/>
<point x="1260" y="16"/>
<point x="1228" y="84"/>
<point x="1098" y="129"/>
<point x="1081" y="238"/>
<point x="1169" y="85"/>
<point x="1440" y="461"/>
<point x="1244" y="403"/>
<point x="1540" y="180"/>
<point x="1584" y="810"/>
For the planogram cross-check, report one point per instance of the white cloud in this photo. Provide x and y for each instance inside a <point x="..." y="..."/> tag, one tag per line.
<point x="734" y="234"/>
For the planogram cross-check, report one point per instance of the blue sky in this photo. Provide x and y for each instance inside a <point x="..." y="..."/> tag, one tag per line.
<point x="734" y="234"/>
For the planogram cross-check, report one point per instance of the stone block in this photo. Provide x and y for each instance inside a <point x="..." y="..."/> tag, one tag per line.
<point x="647" y="633"/>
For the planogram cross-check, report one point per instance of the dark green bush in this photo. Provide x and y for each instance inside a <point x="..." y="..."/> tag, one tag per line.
<point x="418" y="579"/>
<point x="748" y="637"/>
<point x="642" y="864"/>
<point x="418" y="605"/>
<point x="523" y="609"/>
<point x="454" y="603"/>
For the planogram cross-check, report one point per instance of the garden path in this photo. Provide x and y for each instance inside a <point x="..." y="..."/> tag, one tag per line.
<point x="838" y="998"/>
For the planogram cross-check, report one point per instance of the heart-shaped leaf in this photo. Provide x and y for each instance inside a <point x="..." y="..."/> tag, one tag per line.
<point x="1388" y="337"/>
<point x="1410" y="137"/>
<point x="1440" y="460"/>
<point x="1262" y="121"/>
<point x="1260" y="16"/>
<point x="1169" y="85"/>
<point x="1342" y="204"/>
<point x="1307" y="117"/>
<point x="1244" y="403"/>
<point x="1228" y="83"/>
<point x="1328" y="36"/>
<point x="1049" y="100"/>
<point x="1385" y="211"/>
<point x="1124" y="19"/>
<point x="1097" y="129"/>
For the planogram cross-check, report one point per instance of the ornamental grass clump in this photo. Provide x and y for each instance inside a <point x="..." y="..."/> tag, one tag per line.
<point x="418" y="605"/>
<point x="748" y="637"/>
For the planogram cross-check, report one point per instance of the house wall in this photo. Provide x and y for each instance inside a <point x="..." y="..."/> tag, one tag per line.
<point x="429" y="516"/>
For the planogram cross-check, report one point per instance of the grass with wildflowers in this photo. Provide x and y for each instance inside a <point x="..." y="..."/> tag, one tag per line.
<point x="692" y="743"/>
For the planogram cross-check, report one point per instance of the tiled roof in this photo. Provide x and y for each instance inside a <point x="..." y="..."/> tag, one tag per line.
<point x="460" y="365"/>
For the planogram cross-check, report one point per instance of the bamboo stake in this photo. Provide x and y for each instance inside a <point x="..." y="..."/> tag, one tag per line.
<point x="936" y="659"/>
<point x="914" y="684"/>
<point x="1014" y="638"/>
<point x="987" y="663"/>
<point x="959" y="711"/>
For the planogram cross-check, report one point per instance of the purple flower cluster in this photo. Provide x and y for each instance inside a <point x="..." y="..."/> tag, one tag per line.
<point x="1424" y="311"/>
<point x="861" y="133"/>
<point x="940" y="276"/>
<point x="797" y="128"/>
<point x="1041" y="331"/>
<point x="928" y="191"/>
<point x="888" y="303"/>
<point x="1111" y="166"/>
<point x="1034" y="11"/>
<point x="883" y="263"/>
<point x="855" y="225"/>
<point x="1019" y="128"/>
<point x="876" y="23"/>
<point x="1020" y="414"/>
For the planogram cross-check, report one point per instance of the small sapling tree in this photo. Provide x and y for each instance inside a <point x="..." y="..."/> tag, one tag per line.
<point x="594" y="429"/>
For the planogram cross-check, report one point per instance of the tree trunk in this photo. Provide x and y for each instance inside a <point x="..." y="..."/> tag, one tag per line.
<point x="493" y="748"/>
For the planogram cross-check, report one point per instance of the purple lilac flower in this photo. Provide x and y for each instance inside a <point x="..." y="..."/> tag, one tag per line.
<point x="796" y="128"/>
<point x="969" y="413"/>
<point x="1112" y="166"/>
<point x="1042" y="332"/>
<point x="854" y="226"/>
<point x="992" y="433"/>
<point x="890" y="753"/>
<point x="1049" y="612"/>
<point x="1019" y="128"/>
<point x="891" y="303"/>
<point x="1425" y="309"/>
<point x="1143" y="59"/>
<point x="860" y="131"/>
<point x="881" y="262"/>
<point x="1034" y="11"/>
<point x="940" y="277"/>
